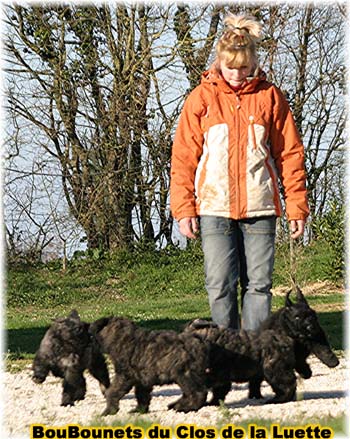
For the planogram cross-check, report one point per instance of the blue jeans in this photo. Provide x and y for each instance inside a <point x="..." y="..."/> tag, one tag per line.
<point x="238" y="250"/>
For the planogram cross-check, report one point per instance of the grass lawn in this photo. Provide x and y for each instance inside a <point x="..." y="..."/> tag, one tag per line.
<point x="158" y="290"/>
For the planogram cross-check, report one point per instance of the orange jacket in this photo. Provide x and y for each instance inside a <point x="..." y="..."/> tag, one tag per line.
<point x="231" y="147"/>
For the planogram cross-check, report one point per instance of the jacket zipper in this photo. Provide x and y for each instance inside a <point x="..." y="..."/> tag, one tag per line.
<point x="252" y="131"/>
<point x="238" y="196"/>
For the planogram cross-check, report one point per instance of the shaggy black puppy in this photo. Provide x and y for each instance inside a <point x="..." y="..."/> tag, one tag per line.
<point x="67" y="349"/>
<point x="301" y="323"/>
<point x="144" y="358"/>
<point x="279" y="347"/>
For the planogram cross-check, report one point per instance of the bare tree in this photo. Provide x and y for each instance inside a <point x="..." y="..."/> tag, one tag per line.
<point x="195" y="59"/>
<point x="95" y="90"/>
<point x="98" y="90"/>
<point x="306" y="47"/>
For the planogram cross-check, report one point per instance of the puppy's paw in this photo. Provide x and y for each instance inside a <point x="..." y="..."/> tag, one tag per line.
<point x="140" y="409"/>
<point x="38" y="379"/>
<point x="213" y="402"/>
<point x="66" y="403"/>
<point x="306" y="374"/>
<point x="255" y="395"/>
<point x="109" y="411"/>
<point x="281" y="399"/>
<point x="181" y="406"/>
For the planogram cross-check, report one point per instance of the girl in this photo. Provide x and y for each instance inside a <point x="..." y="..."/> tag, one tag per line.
<point x="235" y="138"/>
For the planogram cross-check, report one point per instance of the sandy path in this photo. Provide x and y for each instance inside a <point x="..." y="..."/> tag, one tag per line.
<point x="26" y="403"/>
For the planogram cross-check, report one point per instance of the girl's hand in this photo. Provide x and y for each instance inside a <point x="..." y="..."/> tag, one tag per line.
<point x="189" y="227"/>
<point x="297" y="228"/>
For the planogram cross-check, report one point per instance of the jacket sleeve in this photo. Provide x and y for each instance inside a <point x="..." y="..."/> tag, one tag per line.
<point x="186" y="151"/>
<point x="288" y="152"/>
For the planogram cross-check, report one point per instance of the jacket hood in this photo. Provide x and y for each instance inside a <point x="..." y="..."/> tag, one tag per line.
<point x="213" y="76"/>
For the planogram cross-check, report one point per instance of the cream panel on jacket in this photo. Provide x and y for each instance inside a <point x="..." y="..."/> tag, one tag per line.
<point x="261" y="178"/>
<point x="212" y="189"/>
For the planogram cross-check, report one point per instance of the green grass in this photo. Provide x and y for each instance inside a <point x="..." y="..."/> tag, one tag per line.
<point x="157" y="289"/>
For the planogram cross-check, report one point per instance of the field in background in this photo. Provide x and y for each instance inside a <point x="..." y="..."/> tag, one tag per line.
<point x="157" y="289"/>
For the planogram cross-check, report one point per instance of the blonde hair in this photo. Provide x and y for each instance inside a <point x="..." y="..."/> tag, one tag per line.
<point x="237" y="45"/>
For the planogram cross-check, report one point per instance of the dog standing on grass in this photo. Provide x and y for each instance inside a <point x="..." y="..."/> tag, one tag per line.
<point x="66" y="350"/>
<point x="144" y="358"/>
<point x="280" y="347"/>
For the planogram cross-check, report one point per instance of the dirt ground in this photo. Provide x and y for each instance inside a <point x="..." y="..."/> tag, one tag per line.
<point x="323" y="396"/>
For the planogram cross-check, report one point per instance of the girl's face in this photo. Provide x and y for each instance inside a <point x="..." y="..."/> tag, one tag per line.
<point x="235" y="76"/>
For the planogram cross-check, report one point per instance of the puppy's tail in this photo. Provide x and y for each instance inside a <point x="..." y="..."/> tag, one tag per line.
<point x="98" y="325"/>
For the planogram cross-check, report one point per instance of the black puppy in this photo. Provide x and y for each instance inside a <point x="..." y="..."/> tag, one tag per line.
<point x="300" y="322"/>
<point x="66" y="350"/>
<point x="279" y="347"/>
<point x="144" y="358"/>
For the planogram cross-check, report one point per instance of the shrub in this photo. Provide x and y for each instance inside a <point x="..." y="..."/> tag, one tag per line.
<point x="330" y="228"/>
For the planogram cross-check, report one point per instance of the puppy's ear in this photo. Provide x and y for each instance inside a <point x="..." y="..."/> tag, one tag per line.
<point x="74" y="315"/>
<point x="98" y="325"/>
<point x="286" y="318"/>
<point x="300" y="296"/>
<point x="288" y="301"/>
